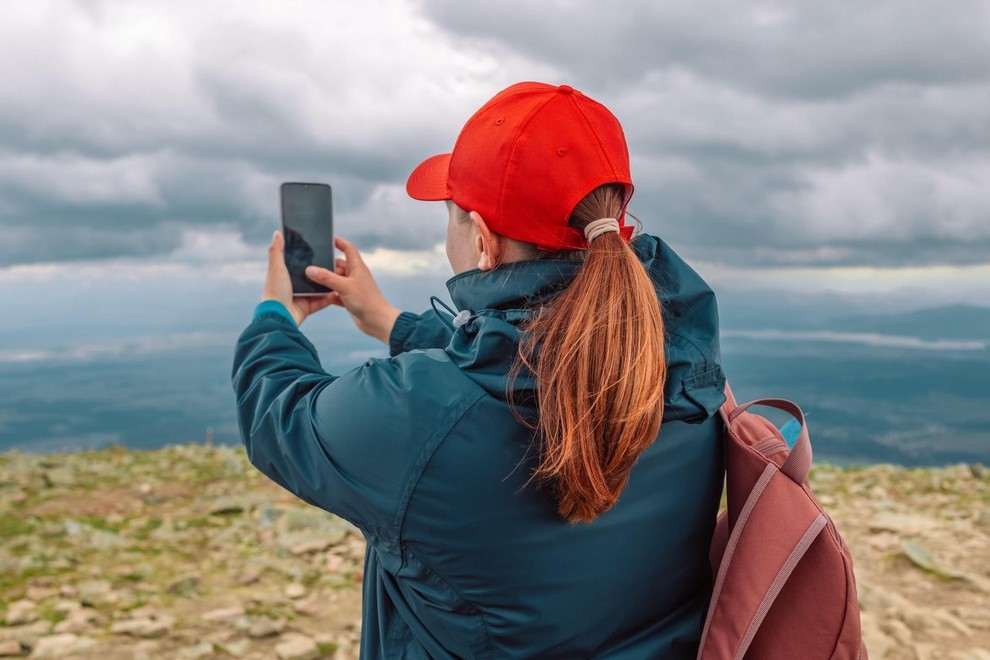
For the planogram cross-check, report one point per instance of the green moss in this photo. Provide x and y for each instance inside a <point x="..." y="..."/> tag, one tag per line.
<point x="11" y="581"/>
<point x="100" y="523"/>
<point x="193" y="523"/>
<point x="327" y="648"/>
<point x="20" y="549"/>
<point x="51" y="615"/>
<point x="144" y="532"/>
<point x="15" y="525"/>
<point x="136" y="603"/>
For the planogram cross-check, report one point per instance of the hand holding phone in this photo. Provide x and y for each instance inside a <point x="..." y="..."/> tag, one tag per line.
<point x="307" y="225"/>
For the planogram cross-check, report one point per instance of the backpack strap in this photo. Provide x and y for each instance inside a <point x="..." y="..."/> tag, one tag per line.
<point x="798" y="463"/>
<point x="767" y="550"/>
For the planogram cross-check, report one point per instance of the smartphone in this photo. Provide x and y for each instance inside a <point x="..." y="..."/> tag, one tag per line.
<point x="307" y="224"/>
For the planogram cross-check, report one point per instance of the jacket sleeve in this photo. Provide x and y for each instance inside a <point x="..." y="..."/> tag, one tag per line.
<point x="421" y="331"/>
<point x="353" y="445"/>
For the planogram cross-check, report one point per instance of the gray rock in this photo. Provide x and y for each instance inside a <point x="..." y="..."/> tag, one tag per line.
<point x="183" y="586"/>
<point x="28" y="635"/>
<point x="236" y="647"/>
<point x="145" y="627"/>
<point x="10" y="647"/>
<point x="223" y="613"/>
<point x="57" y="646"/>
<point x="21" y="612"/>
<point x="312" y="519"/>
<point x="249" y="577"/>
<point x="922" y="557"/>
<point x="308" y="606"/>
<point x="946" y="621"/>
<point x="66" y="606"/>
<point x="145" y="611"/>
<point x="59" y="477"/>
<point x="92" y="592"/>
<point x="202" y="650"/>
<point x="908" y="524"/>
<point x="877" y="642"/>
<point x="334" y="563"/>
<point x="100" y="539"/>
<point x="38" y="594"/>
<point x="971" y="654"/>
<point x="265" y="627"/>
<point x="78" y="621"/>
<point x="295" y="646"/>
<point x="268" y="515"/>
<point x="295" y="591"/>
<point x="898" y="631"/>
<point x="307" y="544"/>
<point x="974" y="617"/>
<point x="147" y="649"/>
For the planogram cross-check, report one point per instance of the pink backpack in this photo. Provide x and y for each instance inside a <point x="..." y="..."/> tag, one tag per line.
<point x="784" y="585"/>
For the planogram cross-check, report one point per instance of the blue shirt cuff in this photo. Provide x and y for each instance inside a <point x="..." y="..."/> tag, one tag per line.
<point x="273" y="307"/>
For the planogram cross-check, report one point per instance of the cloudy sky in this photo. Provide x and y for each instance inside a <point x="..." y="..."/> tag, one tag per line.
<point x="832" y="147"/>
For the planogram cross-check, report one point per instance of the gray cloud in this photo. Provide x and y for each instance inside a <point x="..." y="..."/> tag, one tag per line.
<point x="834" y="134"/>
<point x="790" y="49"/>
<point x="771" y="134"/>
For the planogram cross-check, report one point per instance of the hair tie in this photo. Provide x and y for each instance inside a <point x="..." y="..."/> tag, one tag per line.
<point x="596" y="228"/>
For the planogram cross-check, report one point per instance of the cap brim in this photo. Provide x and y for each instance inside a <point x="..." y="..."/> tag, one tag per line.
<point x="428" y="182"/>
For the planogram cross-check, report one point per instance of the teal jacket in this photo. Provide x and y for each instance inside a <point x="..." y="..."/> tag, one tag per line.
<point x="422" y="453"/>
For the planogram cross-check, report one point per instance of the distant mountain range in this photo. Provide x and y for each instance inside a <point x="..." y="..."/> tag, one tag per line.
<point x="760" y="311"/>
<point x="949" y="322"/>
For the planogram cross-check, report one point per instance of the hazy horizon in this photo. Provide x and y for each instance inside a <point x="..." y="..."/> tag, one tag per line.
<point x="812" y="162"/>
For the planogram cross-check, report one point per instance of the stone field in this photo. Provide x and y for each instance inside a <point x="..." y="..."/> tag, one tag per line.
<point x="189" y="552"/>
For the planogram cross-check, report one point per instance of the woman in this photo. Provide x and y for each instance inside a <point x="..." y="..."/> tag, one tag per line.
<point x="508" y="466"/>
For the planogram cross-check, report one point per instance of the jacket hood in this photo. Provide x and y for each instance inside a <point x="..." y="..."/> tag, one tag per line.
<point x="486" y="344"/>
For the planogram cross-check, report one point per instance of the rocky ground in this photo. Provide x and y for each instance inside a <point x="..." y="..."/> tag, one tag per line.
<point x="188" y="552"/>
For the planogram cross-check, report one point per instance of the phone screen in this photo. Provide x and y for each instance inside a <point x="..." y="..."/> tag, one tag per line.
<point x="307" y="224"/>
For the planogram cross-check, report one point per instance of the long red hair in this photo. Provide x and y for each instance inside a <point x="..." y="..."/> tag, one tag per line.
<point x="597" y="352"/>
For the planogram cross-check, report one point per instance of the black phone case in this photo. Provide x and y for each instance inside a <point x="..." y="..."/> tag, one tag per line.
<point x="307" y="225"/>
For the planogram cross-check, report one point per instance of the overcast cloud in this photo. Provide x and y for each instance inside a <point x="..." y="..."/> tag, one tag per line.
<point x="763" y="134"/>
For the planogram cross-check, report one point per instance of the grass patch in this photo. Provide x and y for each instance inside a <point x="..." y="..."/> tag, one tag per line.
<point x="99" y="523"/>
<point x="144" y="532"/>
<point x="51" y="615"/>
<point x="193" y="523"/>
<point x="11" y="526"/>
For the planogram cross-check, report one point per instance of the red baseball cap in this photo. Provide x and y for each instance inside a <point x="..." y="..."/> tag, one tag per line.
<point x="524" y="161"/>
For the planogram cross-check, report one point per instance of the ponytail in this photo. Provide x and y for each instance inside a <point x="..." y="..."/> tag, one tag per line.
<point x="597" y="352"/>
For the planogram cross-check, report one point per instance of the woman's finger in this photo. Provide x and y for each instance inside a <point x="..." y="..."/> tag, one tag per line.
<point x="327" y="278"/>
<point x="350" y="251"/>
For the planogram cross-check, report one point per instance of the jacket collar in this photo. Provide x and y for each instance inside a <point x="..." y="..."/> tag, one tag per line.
<point x="511" y="286"/>
<point x="496" y="301"/>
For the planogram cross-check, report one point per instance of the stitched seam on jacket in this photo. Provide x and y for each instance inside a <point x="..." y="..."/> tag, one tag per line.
<point x="402" y="331"/>
<point x="292" y="327"/>
<point x="476" y="608"/>
<point x="422" y="464"/>
<point x="704" y="356"/>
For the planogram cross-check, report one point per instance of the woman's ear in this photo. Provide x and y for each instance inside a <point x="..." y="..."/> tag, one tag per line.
<point x="488" y="243"/>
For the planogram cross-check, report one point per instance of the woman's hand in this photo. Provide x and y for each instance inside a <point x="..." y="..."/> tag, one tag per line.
<point x="355" y="290"/>
<point x="278" y="285"/>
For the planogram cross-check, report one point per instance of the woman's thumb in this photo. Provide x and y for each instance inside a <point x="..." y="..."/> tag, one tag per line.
<point x="326" y="277"/>
<point x="275" y="250"/>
